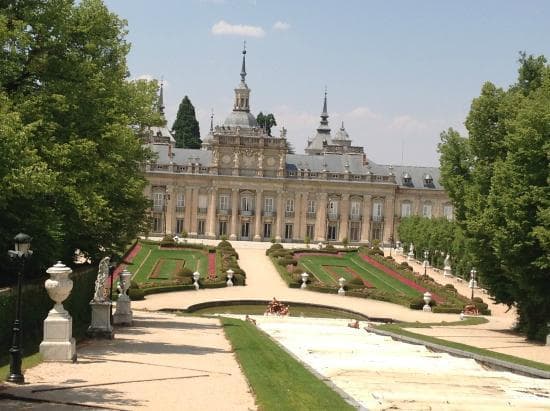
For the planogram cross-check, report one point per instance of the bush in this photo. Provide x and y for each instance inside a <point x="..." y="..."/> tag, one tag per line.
<point x="442" y="309"/>
<point x="185" y="272"/>
<point x="281" y="253"/>
<point x="298" y="270"/>
<point x="405" y="266"/>
<point x="284" y="261"/>
<point x="376" y="251"/>
<point x="239" y="279"/>
<point x="136" y="294"/>
<point x="450" y="288"/>
<point x="356" y="281"/>
<point x="330" y="247"/>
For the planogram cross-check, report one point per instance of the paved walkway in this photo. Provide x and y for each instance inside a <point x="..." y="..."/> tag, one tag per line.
<point x="264" y="282"/>
<point x="162" y="362"/>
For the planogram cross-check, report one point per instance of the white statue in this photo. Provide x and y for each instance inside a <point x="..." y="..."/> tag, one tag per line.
<point x="447" y="272"/>
<point x="102" y="274"/>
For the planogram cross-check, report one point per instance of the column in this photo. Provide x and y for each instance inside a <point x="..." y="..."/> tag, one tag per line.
<point x="280" y="215"/>
<point x="258" y="216"/>
<point x="298" y="200"/>
<point x="211" y="213"/>
<point x="303" y="217"/>
<point x="344" y="218"/>
<point x="389" y="216"/>
<point x="194" y="212"/>
<point x="170" y="210"/>
<point x="234" y="213"/>
<point x="187" y="214"/>
<point x="367" y="212"/>
<point x="321" y="220"/>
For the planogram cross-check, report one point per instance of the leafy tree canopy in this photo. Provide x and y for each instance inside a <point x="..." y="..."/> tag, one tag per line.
<point x="266" y="121"/>
<point x="69" y="155"/>
<point x="498" y="179"/>
<point x="186" y="126"/>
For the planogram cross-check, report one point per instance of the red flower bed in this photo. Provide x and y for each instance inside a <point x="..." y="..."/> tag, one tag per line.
<point x="212" y="266"/>
<point x="400" y="278"/>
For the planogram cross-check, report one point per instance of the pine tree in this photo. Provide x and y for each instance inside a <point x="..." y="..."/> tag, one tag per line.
<point x="186" y="126"/>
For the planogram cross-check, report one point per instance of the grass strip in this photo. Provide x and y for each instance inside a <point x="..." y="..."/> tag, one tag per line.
<point x="398" y="329"/>
<point x="28" y="362"/>
<point x="278" y="380"/>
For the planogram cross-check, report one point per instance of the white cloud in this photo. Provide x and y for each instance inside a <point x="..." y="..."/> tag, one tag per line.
<point x="213" y="1"/>
<point x="363" y="112"/>
<point x="224" y="28"/>
<point x="281" y="26"/>
<point x="148" y="77"/>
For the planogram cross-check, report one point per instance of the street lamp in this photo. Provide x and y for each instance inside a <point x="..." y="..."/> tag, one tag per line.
<point x="19" y="255"/>
<point x="473" y="283"/>
<point x="426" y="262"/>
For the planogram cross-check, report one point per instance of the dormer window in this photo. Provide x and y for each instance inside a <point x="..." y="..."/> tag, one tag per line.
<point x="428" y="180"/>
<point x="407" y="180"/>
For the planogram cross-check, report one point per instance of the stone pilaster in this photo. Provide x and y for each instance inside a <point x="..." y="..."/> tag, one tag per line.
<point x="321" y="221"/>
<point x="194" y="212"/>
<point x="211" y="213"/>
<point x="258" y="216"/>
<point x="187" y="214"/>
<point x="367" y="213"/>
<point x="344" y="218"/>
<point x="234" y="213"/>
<point x="170" y="211"/>
<point x="389" y="216"/>
<point x="297" y="215"/>
<point x="280" y="215"/>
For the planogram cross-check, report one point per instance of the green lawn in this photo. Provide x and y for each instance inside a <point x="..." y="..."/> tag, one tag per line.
<point x="318" y="265"/>
<point x="279" y="381"/>
<point x="150" y="255"/>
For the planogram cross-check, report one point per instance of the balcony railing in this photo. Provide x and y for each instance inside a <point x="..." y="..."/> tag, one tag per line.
<point x="247" y="212"/>
<point x="224" y="211"/>
<point x="333" y="216"/>
<point x="355" y="217"/>
<point x="377" y="218"/>
<point x="202" y="210"/>
<point x="180" y="209"/>
<point x="158" y="208"/>
<point x="269" y="213"/>
<point x="289" y="213"/>
<point x="311" y="215"/>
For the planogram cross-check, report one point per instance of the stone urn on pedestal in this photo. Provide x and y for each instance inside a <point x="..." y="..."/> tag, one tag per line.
<point x="341" y="282"/>
<point x="427" y="300"/>
<point x="123" y="314"/>
<point x="196" y="277"/>
<point x="230" y="274"/>
<point x="304" y="276"/>
<point x="58" y="344"/>
<point x="410" y="256"/>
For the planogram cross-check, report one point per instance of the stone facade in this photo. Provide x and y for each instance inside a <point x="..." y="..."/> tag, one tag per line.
<point x="243" y="184"/>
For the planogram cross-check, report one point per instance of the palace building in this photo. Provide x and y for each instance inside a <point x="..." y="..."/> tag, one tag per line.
<point x="243" y="184"/>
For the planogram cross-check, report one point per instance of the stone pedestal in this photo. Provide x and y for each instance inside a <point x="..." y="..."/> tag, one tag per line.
<point x="58" y="343"/>
<point x="101" y="320"/>
<point x="123" y="314"/>
<point x="447" y="272"/>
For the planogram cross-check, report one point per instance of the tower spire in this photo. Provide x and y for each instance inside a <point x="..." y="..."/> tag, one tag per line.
<point x="243" y="67"/>
<point x="324" y="114"/>
<point x="211" y="120"/>
<point x="161" y="96"/>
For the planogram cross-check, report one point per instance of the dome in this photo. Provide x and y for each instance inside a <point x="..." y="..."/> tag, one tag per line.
<point x="241" y="119"/>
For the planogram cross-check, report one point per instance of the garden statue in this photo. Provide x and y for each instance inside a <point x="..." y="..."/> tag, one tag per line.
<point x="102" y="274"/>
<point x="447" y="272"/>
<point x="410" y="256"/>
<point x="101" y="305"/>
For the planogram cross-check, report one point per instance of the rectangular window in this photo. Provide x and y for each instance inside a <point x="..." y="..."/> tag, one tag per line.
<point x="245" y="230"/>
<point x="223" y="202"/>
<point x="427" y="210"/>
<point x="332" y="234"/>
<point x="246" y="204"/>
<point x="377" y="210"/>
<point x="268" y="204"/>
<point x="180" y="201"/>
<point x="157" y="224"/>
<point x="222" y="228"/>
<point x="179" y="226"/>
<point x="201" y="226"/>
<point x="267" y="230"/>
<point x="333" y="208"/>
<point x="448" y="212"/>
<point x="310" y="231"/>
<point x="158" y="201"/>
<point x="288" y="231"/>
<point x="355" y="209"/>
<point x="355" y="231"/>
<point x="290" y="205"/>
<point x="311" y="206"/>
<point x="406" y="209"/>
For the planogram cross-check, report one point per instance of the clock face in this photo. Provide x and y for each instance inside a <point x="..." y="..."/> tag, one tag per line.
<point x="226" y="158"/>
<point x="270" y="161"/>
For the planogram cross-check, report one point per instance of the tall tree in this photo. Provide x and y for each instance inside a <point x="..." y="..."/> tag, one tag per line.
<point x="67" y="106"/>
<point x="186" y="126"/>
<point x="266" y="121"/>
<point x="498" y="179"/>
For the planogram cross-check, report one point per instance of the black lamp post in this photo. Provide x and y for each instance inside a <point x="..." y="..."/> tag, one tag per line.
<point x="19" y="255"/>
<point x="473" y="281"/>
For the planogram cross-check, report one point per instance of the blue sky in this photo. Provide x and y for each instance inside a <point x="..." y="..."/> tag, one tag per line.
<point x="397" y="72"/>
